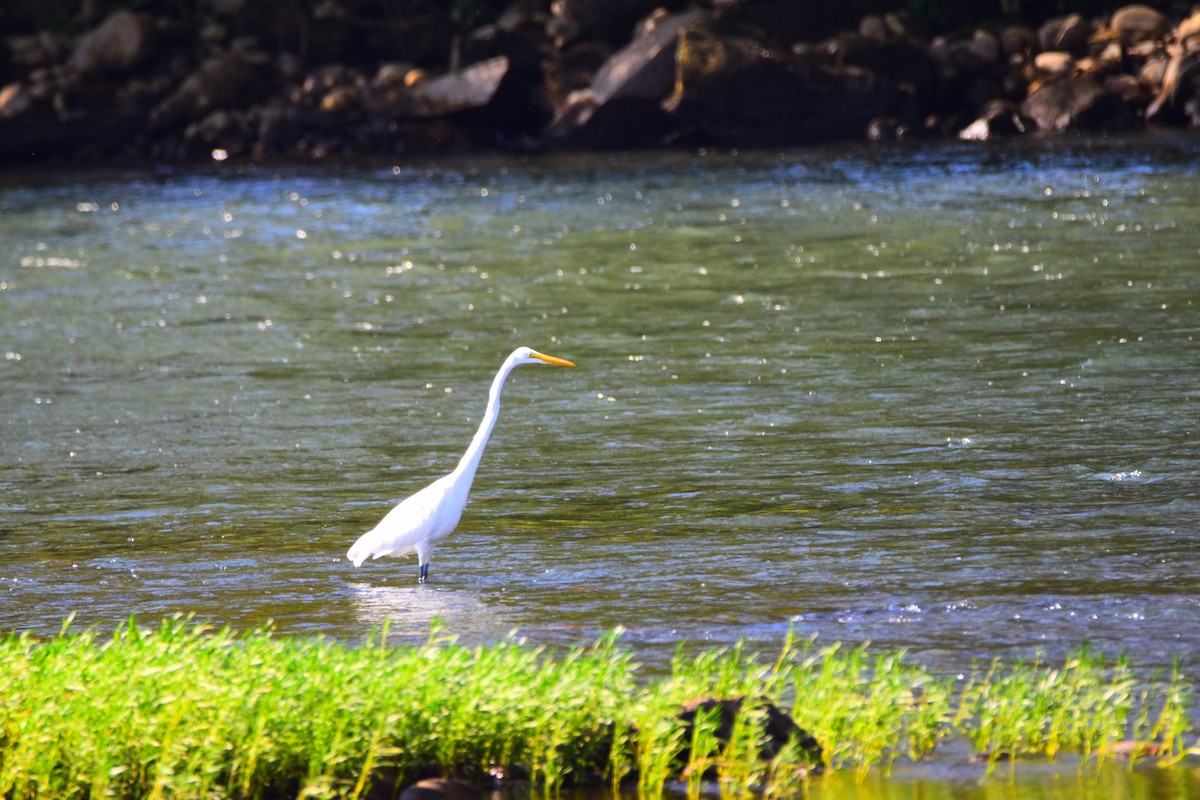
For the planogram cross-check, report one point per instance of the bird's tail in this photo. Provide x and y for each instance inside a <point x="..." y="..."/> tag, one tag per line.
<point x="359" y="553"/>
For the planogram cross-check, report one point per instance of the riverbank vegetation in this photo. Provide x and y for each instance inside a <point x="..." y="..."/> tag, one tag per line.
<point x="184" y="709"/>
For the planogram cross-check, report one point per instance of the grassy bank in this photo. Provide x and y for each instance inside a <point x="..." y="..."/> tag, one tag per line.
<point x="186" y="710"/>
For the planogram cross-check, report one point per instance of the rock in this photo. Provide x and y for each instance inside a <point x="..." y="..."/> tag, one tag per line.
<point x="977" y="55"/>
<point x="415" y="77"/>
<point x="214" y="129"/>
<point x="228" y="81"/>
<point x="41" y="50"/>
<point x="645" y="68"/>
<point x="1076" y="103"/>
<point x="1178" y="98"/>
<point x="939" y="52"/>
<point x="1132" y="92"/>
<point x="473" y="87"/>
<point x="904" y="61"/>
<point x="391" y="76"/>
<point x="985" y="47"/>
<point x="1054" y="62"/>
<point x="289" y="66"/>
<point x="622" y="105"/>
<point x="1048" y="33"/>
<point x="1147" y="49"/>
<point x="1111" y="52"/>
<point x="1154" y="71"/>
<point x="1137" y="23"/>
<point x="735" y="88"/>
<point x="873" y="28"/>
<point x="606" y="20"/>
<point x="999" y="118"/>
<point x="14" y="100"/>
<point x="118" y="46"/>
<point x="1017" y="40"/>
<point x="1188" y="28"/>
<point x="341" y="101"/>
<point x="888" y="129"/>
<point x="1070" y="34"/>
<point x="631" y="122"/>
<point x="884" y="129"/>
<point x="572" y="70"/>
<point x="898" y="24"/>
<point x="1130" y="748"/>
<point x="778" y="727"/>
<point x="442" y="789"/>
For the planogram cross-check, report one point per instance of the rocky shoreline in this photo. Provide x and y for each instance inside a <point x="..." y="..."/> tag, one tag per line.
<point x="573" y="75"/>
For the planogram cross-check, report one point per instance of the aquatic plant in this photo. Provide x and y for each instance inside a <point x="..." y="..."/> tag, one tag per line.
<point x="1085" y="705"/>
<point x="184" y="709"/>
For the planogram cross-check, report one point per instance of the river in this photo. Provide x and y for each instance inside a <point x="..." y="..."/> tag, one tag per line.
<point x="938" y="397"/>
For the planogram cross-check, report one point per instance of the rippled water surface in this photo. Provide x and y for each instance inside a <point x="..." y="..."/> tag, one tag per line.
<point x="942" y="399"/>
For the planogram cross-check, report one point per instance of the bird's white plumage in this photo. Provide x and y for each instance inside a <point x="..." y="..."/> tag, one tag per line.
<point x="408" y="524"/>
<point x="427" y="517"/>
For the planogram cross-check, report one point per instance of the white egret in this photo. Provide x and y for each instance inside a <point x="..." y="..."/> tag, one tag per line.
<point x="423" y="520"/>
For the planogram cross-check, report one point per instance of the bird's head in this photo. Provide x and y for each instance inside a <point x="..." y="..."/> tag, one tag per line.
<point x="526" y="355"/>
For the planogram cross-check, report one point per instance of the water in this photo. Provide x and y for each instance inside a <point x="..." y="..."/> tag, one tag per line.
<point x="941" y="398"/>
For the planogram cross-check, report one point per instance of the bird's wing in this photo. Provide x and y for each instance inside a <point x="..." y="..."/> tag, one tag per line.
<point x="417" y="518"/>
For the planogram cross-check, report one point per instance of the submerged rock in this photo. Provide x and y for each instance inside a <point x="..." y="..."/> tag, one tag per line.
<point x="442" y="789"/>
<point x="778" y="727"/>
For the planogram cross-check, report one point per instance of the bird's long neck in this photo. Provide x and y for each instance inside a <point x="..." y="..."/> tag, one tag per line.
<point x="470" y="460"/>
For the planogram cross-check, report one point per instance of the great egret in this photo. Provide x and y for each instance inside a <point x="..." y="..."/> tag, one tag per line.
<point x="423" y="520"/>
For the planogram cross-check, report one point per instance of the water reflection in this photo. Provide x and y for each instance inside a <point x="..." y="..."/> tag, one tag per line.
<point x="1065" y="780"/>
<point x="411" y="613"/>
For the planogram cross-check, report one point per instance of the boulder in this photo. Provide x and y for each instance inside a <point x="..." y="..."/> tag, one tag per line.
<point x="571" y="70"/>
<point x="904" y="61"/>
<point x="621" y="123"/>
<point x="1130" y="90"/>
<point x="1017" y="40"/>
<point x="1188" y="30"/>
<point x="645" y="68"/>
<point x="121" y="43"/>
<point x="1054" y="62"/>
<point x="999" y="118"/>
<point x="735" y="88"/>
<point x="1070" y="34"/>
<point x="1076" y="103"/>
<point x="1137" y="23"/>
<point x="622" y="105"/>
<point x="778" y="727"/>
<point x="472" y="87"/>
<point x="1178" y="99"/>
<point x="227" y="81"/>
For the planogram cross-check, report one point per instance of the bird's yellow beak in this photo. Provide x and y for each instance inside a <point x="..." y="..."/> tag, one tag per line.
<point x="558" y="362"/>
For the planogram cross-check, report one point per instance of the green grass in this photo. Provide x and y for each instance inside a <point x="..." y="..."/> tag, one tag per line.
<point x="187" y="710"/>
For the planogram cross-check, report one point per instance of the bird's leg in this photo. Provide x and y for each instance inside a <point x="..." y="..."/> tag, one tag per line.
<point x="423" y="552"/>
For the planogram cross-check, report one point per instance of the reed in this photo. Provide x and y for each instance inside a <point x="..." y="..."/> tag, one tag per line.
<point x="1086" y="705"/>
<point x="183" y="709"/>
